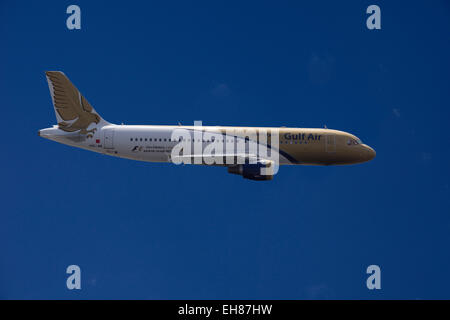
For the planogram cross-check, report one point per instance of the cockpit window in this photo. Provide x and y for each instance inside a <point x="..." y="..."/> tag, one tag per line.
<point x="354" y="142"/>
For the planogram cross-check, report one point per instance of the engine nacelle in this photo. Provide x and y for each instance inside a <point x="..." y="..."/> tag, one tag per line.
<point x="253" y="171"/>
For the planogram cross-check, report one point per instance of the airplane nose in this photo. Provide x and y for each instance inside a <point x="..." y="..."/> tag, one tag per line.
<point x="370" y="153"/>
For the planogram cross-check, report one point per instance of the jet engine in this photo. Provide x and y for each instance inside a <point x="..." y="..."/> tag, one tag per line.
<point x="252" y="171"/>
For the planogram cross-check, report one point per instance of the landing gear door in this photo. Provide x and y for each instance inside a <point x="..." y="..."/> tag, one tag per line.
<point x="109" y="138"/>
<point x="330" y="143"/>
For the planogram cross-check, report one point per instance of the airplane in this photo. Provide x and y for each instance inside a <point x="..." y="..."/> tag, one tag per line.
<point x="254" y="153"/>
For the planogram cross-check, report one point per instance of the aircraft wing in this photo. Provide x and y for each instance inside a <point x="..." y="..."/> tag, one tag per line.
<point x="248" y="166"/>
<point x="217" y="159"/>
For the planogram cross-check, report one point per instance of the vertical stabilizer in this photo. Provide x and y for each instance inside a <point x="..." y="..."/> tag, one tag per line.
<point x="73" y="112"/>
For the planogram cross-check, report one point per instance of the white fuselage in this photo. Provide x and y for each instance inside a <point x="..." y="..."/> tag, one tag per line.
<point x="152" y="143"/>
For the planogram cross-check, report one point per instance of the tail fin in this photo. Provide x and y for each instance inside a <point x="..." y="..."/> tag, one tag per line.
<point x="73" y="111"/>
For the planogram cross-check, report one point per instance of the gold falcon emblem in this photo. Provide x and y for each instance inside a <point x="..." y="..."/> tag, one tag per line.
<point x="71" y="105"/>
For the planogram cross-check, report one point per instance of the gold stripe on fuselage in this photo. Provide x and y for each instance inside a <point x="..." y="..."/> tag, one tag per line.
<point x="309" y="146"/>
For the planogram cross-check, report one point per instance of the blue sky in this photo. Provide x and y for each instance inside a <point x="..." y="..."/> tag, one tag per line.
<point x="160" y="231"/>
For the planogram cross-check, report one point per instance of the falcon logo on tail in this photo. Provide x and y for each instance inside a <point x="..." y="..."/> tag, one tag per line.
<point x="73" y="111"/>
